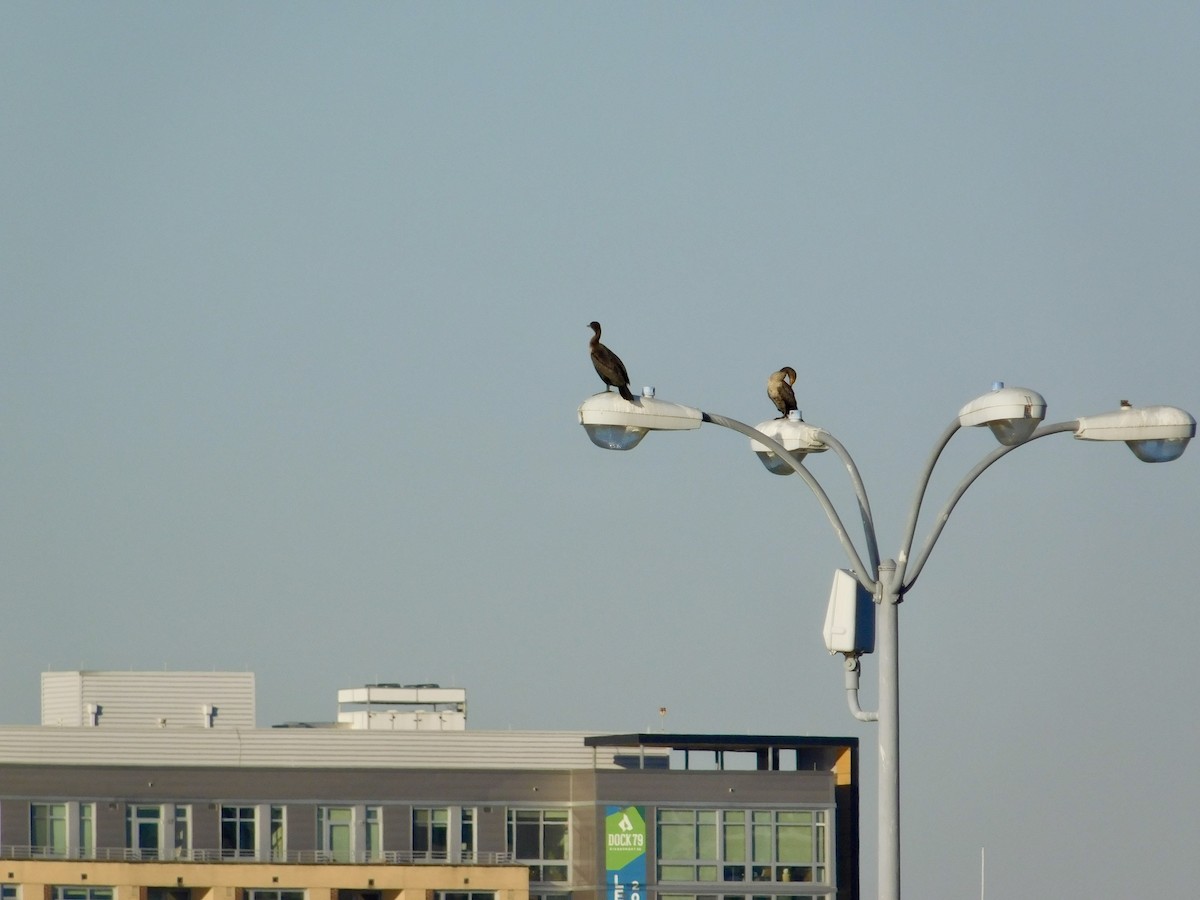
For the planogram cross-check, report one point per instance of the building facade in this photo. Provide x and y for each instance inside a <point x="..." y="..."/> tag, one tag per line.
<point x="158" y="786"/>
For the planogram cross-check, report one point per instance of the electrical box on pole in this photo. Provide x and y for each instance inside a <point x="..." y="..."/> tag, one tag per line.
<point x="850" y="617"/>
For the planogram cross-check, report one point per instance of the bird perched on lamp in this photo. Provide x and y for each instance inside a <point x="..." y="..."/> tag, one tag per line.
<point x="608" y="365"/>
<point x="779" y="389"/>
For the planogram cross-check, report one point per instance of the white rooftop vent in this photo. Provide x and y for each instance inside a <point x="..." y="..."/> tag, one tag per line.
<point x="403" y="707"/>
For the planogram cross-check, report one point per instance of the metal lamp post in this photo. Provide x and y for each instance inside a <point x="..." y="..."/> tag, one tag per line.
<point x="1014" y="415"/>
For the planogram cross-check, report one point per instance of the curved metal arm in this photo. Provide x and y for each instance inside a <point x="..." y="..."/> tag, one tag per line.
<point x="922" y="485"/>
<point x="860" y="491"/>
<point x="967" y="481"/>
<point x="856" y="564"/>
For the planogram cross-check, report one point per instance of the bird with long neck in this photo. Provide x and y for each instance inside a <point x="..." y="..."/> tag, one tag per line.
<point x="608" y="365"/>
<point x="779" y="389"/>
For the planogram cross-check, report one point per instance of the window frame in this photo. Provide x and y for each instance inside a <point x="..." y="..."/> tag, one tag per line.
<point x="277" y="833"/>
<point x="364" y="832"/>
<point x="235" y="823"/>
<point x="543" y="869"/>
<point x="425" y="828"/>
<point x="745" y="846"/>
<point x="49" y="830"/>
<point x="82" y="892"/>
<point x="275" y="894"/>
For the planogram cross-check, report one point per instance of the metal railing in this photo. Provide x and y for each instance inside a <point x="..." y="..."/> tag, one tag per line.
<point x="130" y="854"/>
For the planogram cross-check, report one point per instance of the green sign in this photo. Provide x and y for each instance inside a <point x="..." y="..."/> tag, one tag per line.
<point x="625" y="852"/>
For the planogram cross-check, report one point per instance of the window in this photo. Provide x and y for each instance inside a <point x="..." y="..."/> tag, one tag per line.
<point x="373" y="851"/>
<point x="262" y="894"/>
<point x="464" y="895"/>
<point x="788" y="845"/>
<point x="430" y="833"/>
<point x="62" y="829"/>
<point x="48" y="829"/>
<point x="278" y="834"/>
<point x="538" y="838"/>
<point x="443" y="833"/>
<point x="87" y="830"/>
<point x="183" y="831"/>
<point x="776" y="846"/>
<point x="143" y="831"/>
<point x="9" y="891"/>
<point x="466" y="834"/>
<point x="335" y="833"/>
<point x="687" y="845"/>
<point x="237" y="832"/>
<point x="71" y="892"/>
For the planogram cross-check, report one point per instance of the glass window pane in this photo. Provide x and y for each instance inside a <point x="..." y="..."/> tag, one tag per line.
<point x="87" y="814"/>
<point x="676" y="873"/>
<point x="734" y="873"/>
<point x="735" y="842"/>
<point x="183" y="831"/>
<point x="467" y="830"/>
<point x="676" y="815"/>
<point x="556" y="841"/>
<point x="277" y="833"/>
<point x="794" y="873"/>
<point x="420" y="829"/>
<point x="48" y="827"/>
<point x="527" y="840"/>
<point x="439" y="837"/>
<point x="147" y="836"/>
<point x="795" y="817"/>
<point x="339" y="842"/>
<point x="794" y="843"/>
<point x="676" y="841"/>
<point x="761" y="839"/>
<point x="333" y="831"/>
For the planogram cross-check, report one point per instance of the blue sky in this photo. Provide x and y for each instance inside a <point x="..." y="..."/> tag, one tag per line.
<point x="294" y="302"/>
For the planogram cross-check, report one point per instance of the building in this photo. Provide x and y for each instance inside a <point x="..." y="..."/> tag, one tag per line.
<point x="159" y="786"/>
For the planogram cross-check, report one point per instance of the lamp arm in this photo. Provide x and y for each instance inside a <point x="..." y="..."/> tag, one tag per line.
<point x="914" y="513"/>
<point x="856" y="710"/>
<point x="860" y="491"/>
<point x="856" y="564"/>
<point x="967" y="481"/>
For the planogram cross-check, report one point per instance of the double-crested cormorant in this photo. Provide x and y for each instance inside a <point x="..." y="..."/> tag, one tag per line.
<point x="608" y="365"/>
<point x="779" y="389"/>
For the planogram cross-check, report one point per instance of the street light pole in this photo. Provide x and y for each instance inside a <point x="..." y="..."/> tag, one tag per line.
<point x="887" y="622"/>
<point x="1154" y="434"/>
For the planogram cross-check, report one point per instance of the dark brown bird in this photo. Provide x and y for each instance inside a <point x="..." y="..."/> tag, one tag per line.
<point x="608" y="365"/>
<point x="779" y="389"/>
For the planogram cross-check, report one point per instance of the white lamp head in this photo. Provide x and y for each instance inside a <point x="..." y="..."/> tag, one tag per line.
<point x="617" y="424"/>
<point x="794" y="434"/>
<point x="1153" y="433"/>
<point x="1013" y="413"/>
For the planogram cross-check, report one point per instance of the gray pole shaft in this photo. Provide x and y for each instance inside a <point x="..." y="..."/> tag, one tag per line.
<point x="887" y="618"/>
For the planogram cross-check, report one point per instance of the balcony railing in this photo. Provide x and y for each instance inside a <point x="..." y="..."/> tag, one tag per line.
<point x="128" y="854"/>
